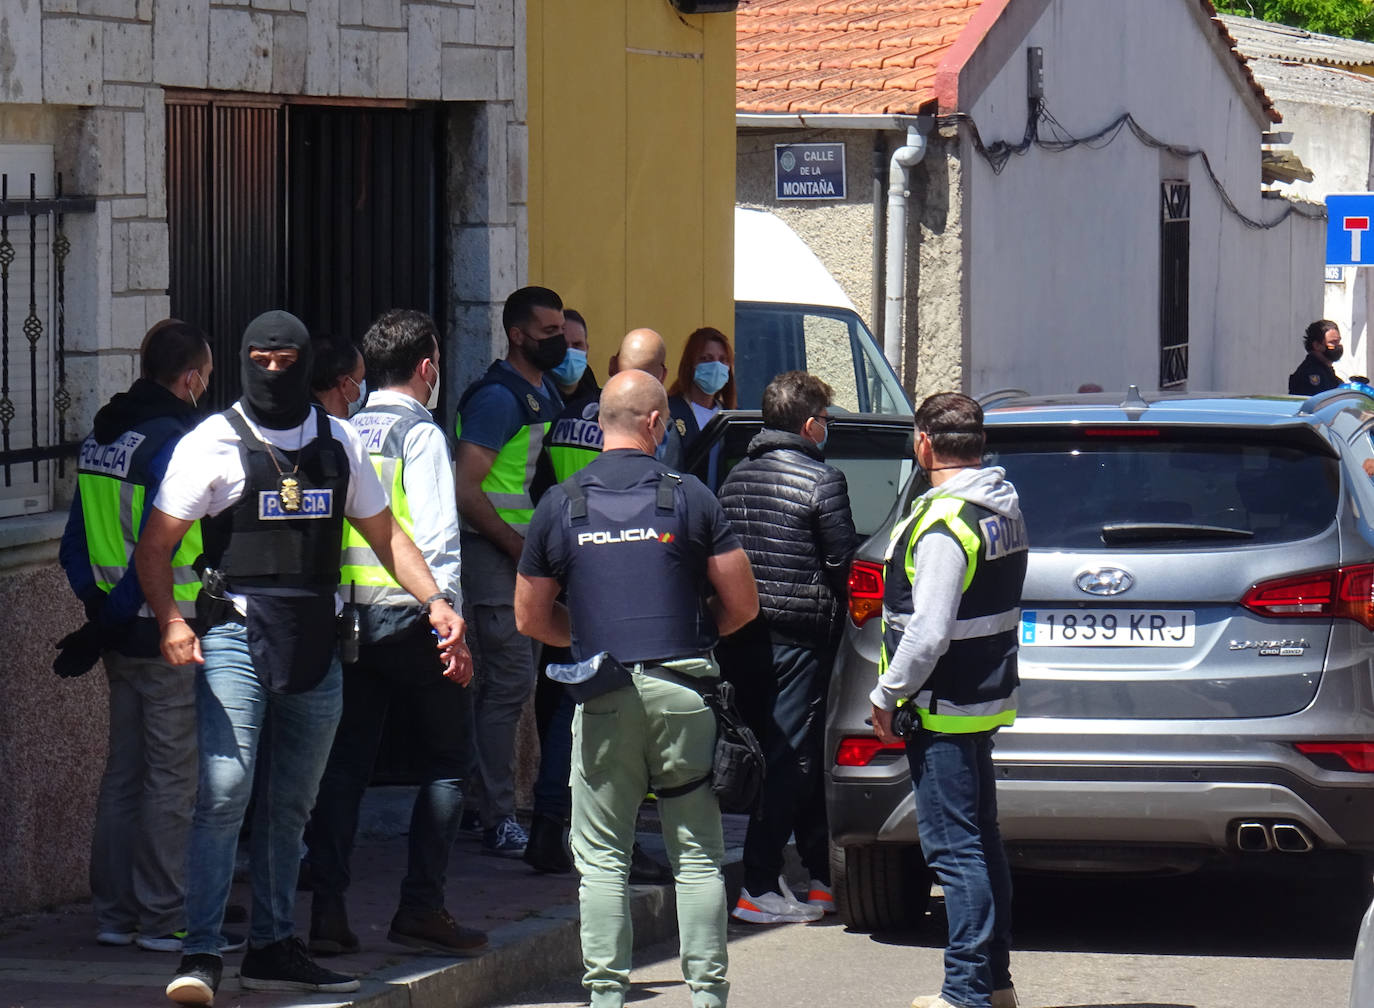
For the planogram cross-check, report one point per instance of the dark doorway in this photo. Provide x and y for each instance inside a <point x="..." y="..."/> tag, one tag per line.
<point x="330" y="212"/>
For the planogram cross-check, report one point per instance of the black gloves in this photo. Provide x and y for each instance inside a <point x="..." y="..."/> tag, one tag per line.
<point x="94" y="603"/>
<point x="80" y="650"/>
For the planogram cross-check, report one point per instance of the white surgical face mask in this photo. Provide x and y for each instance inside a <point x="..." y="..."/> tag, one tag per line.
<point x="357" y="403"/>
<point x="433" y="399"/>
<point x="195" y="404"/>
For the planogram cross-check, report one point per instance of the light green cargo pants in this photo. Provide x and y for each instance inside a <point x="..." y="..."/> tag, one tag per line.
<point x="652" y="735"/>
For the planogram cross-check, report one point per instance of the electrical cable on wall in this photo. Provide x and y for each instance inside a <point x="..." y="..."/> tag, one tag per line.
<point x="999" y="153"/>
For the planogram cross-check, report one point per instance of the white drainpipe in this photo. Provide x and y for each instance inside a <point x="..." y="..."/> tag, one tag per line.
<point x="899" y="178"/>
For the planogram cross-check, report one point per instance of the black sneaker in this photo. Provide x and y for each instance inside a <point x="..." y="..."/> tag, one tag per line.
<point x="330" y="934"/>
<point x="435" y="931"/>
<point x="197" y="980"/>
<point x="506" y="839"/>
<point x="644" y="870"/>
<point x="547" y="851"/>
<point x="286" y="966"/>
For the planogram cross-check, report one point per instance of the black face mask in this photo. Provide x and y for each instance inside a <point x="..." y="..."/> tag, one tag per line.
<point x="547" y="353"/>
<point x="1334" y="354"/>
<point x="277" y="400"/>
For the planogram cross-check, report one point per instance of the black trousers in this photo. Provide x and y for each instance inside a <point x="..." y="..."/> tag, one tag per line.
<point x="793" y="738"/>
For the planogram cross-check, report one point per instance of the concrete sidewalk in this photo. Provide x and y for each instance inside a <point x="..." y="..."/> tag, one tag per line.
<point x="51" y="960"/>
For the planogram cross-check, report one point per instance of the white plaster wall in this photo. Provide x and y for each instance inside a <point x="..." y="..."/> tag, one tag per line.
<point x="1335" y="144"/>
<point x="1063" y="248"/>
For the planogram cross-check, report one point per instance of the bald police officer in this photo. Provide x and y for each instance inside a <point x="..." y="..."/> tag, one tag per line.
<point x="653" y="575"/>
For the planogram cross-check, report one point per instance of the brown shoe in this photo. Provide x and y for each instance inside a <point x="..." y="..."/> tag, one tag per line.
<point x="435" y="931"/>
<point x="330" y="934"/>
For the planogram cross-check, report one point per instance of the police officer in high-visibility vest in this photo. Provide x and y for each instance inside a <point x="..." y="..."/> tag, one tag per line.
<point x="947" y="668"/>
<point x="501" y="423"/>
<point x="653" y="574"/>
<point x="143" y="811"/>
<point x="396" y="657"/>
<point x="272" y="480"/>
<point x="573" y="441"/>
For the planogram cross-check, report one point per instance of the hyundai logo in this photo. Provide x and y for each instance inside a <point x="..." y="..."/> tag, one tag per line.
<point x="1104" y="581"/>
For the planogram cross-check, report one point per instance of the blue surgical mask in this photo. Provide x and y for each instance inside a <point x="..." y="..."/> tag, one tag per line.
<point x="357" y="403"/>
<point x="711" y="376"/>
<point x="569" y="372"/>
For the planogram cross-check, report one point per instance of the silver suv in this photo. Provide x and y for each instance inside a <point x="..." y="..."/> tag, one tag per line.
<point x="1197" y="656"/>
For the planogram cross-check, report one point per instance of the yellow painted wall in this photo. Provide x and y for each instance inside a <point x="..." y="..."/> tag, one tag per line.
<point x="632" y="166"/>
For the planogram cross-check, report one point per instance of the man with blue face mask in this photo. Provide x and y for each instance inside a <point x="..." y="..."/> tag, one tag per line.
<point x="791" y="513"/>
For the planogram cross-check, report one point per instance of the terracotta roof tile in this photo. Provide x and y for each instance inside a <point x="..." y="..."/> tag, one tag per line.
<point x="879" y="53"/>
<point x="859" y="57"/>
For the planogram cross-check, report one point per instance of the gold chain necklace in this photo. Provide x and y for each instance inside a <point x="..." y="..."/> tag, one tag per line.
<point x="288" y="487"/>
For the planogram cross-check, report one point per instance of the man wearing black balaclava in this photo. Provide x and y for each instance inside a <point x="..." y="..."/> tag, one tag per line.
<point x="501" y="423"/>
<point x="271" y="479"/>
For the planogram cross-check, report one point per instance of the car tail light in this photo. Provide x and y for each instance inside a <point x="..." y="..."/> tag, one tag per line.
<point x="865" y="591"/>
<point x="1345" y="593"/>
<point x="1356" y="755"/>
<point x="1121" y="432"/>
<point x="860" y="750"/>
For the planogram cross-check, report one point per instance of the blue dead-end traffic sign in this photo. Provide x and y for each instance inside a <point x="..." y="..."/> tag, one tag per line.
<point x="1348" y="238"/>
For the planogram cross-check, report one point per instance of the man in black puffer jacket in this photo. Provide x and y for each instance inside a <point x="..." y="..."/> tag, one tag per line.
<point x="791" y="512"/>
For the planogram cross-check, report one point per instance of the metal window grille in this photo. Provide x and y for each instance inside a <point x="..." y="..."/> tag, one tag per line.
<point x="35" y="401"/>
<point x="1175" y="205"/>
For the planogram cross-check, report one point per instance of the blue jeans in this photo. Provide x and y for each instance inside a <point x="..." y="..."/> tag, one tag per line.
<point x="440" y="710"/>
<point x="956" y="813"/>
<point x="239" y="722"/>
<point x="551" y="794"/>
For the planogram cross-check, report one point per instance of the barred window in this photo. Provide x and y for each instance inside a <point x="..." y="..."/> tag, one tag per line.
<point x="27" y="416"/>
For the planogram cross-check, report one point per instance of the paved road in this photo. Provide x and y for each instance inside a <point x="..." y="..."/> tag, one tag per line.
<point x="1205" y="941"/>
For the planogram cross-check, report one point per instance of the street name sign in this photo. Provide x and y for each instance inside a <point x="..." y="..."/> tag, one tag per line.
<point x="809" y="171"/>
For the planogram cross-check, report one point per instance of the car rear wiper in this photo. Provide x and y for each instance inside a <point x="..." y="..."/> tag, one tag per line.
<point x="1126" y="532"/>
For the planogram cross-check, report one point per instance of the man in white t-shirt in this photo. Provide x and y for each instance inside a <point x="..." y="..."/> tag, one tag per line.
<point x="271" y="479"/>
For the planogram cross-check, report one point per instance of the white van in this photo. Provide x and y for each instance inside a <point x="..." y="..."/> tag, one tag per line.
<point x="791" y="315"/>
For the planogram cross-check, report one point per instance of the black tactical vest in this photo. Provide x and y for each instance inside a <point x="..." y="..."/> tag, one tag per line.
<point x="634" y="587"/>
<point x="262" y="549"/>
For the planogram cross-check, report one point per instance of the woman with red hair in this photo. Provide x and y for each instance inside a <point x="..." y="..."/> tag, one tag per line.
<point x="705" y="384"/>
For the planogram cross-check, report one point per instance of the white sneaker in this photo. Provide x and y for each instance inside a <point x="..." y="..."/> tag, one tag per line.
<point x="818" y="894"/>
<point x="1003" y="997"/>
<point x="771" y="908"/>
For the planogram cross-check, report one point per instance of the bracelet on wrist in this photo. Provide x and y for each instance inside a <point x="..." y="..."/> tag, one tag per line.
<point x="445" y="596"/>
<point x="174" y="619"/>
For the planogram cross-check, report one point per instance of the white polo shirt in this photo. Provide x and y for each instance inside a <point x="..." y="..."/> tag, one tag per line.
<point x="205" y="474"/>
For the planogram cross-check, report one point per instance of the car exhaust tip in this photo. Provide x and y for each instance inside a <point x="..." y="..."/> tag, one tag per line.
<point x="1253" y="838"/>
<point x="1291" y="838"/>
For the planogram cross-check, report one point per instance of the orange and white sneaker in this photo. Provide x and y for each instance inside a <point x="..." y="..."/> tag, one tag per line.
<point x="773" y="908"/>
<point x="819" y="895"/>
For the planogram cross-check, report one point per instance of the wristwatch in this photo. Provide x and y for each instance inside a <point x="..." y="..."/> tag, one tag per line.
<point x="436" y="597"/>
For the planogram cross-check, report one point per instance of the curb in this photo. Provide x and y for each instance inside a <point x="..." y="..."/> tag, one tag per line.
<point x="524" y="956"/>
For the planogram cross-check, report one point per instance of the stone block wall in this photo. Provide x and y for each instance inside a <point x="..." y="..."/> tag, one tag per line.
<point x="89" y="78"/>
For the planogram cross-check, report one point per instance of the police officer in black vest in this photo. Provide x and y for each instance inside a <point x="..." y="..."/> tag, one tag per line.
<point x="272" y="479"/>
<point x="653" y="575"/>
<point x="1322" y="341"/>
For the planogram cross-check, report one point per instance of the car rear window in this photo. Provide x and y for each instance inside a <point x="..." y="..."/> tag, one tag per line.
<point x="1143" y="489"/>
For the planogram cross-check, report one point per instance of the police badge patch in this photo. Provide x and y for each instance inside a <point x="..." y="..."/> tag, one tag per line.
<point x="1314" y="379"/>
<point x="681" y="427"/>
<point x="531" y="402"/>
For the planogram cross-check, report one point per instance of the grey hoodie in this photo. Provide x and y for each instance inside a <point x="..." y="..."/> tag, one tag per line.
<point x="937" y="586"/>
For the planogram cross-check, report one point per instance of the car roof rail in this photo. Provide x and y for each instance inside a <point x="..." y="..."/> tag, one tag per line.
<point x="988" y="399"/>
<point x="1330" y="397"/>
